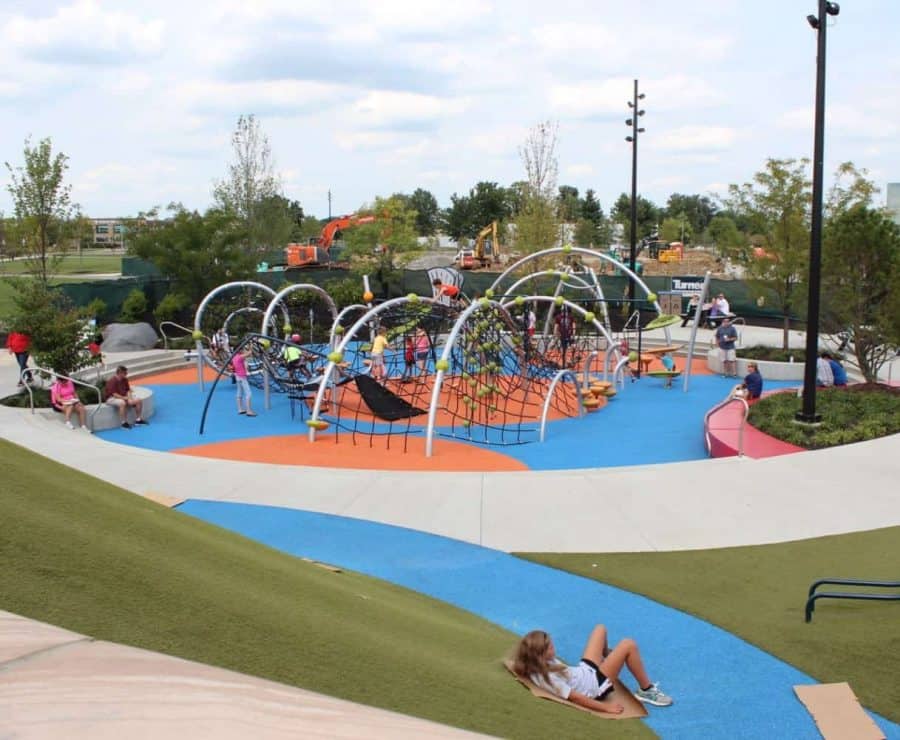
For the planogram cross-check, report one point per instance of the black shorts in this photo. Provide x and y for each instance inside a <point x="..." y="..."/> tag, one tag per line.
<point x="603" y="682"/>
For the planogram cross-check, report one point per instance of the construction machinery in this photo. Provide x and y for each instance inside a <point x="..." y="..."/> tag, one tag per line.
<point x="486" y="251"/>
<point x="316" y="250"/>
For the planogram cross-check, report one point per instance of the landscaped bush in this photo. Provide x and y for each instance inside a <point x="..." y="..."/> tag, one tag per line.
<point x="772" y="354"/>
<point x="134" y="307"/>
<point x="173" y="307"/>
<point x="852" y="414"/>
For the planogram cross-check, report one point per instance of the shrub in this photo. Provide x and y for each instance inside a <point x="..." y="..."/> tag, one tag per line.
<point x="96" y="309"/>
<point x="853" y="414"/>
<point x="173" y="307"/>
<point x="134" y="308"/>
<point x="772" y="354"/>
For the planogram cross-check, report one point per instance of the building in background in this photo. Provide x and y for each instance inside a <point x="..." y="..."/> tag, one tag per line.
<point x="893" y="201"/>
<point x="109" y="232"/>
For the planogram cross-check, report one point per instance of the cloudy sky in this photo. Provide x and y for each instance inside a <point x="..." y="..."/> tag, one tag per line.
<point x="372" y="98"/>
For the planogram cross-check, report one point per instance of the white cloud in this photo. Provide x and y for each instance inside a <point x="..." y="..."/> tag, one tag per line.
<point x="579" y="170"/>
<point x="85" y="33"/>
<point x="382" y="108"/>
<point x="845" y="119"/>
<point x="286" y="97"/>
<point x="691" y="138"/>
<point x="611" y="96"/>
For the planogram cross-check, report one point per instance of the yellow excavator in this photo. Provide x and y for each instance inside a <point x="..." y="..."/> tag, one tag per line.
<point x="486" y="251"/>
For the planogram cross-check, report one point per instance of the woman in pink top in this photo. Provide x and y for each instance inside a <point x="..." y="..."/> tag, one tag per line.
<point x="239" y="365"/>
<point x="64" y="399"/>
<point x="422" y="348"/>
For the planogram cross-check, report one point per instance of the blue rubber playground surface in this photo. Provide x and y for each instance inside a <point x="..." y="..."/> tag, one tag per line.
<point x="645" y="424"/>
<point x="723" y="687"/>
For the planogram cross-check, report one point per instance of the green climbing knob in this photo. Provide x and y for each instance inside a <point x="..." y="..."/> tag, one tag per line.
<point x="567" y="248"/>
<point x="489" y="293"/>
<point x="651" y="297"/>
<point x="589" y="317"/>
<point x="197" y="335"/>
<point x="632" y="356"/>
<point x="443" y="365"/>
<point x="339" y="329"/>
<point x="335" y="357"/>
<point x="519" y="300"/>
<point x="412" y="298"/>
<point x="559" y="300"/>
<point x="287" y="328"/>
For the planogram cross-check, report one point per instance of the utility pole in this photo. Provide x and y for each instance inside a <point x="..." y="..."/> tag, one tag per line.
<point x="807" y="414"/>
<point x="635" y="130"/>
<point x="329" y="204"/>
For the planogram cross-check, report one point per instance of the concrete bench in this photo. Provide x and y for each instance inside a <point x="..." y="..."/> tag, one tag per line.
<point x="107" y="416"/>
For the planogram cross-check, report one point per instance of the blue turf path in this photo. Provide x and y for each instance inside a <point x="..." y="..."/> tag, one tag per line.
<point x="644" y="424"/>
<point x="723" y="686"/>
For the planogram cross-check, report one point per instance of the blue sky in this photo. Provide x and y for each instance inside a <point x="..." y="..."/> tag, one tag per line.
<point x="372" y="98"/>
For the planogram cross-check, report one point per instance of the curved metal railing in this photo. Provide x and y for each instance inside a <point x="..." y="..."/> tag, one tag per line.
<point x="50" y="373"/>
<point x="722" y="404"/>
<point x="166" y="336"/>
<point x="564" y="374"/>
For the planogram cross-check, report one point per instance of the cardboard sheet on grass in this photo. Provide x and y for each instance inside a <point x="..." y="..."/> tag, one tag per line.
<point x="619" y="694"/>
<point x="837" y="712"/>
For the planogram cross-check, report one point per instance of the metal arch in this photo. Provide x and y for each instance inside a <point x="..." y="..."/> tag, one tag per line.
<point x="337" y="319"/>
<point x="613" y="346"/>
<point x="576" y="250"/>
<point x="198" y="316"/>
<point x="552" y="273"/>
<point x="277" y="300"/>
<point x="348" y="336"/>
<point x="561" y="375"/>
<point x="445" y="356"/>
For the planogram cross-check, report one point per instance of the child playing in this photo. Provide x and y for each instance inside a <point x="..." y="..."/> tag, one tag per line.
<point x="409" y="358"/>
<point x="669" y="364"/>
<point x="239" y="365"/>
<point x="423" y="345"/>
<point x="379" y="345"/>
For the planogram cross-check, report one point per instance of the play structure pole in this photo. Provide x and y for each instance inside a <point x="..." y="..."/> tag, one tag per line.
<point x="695" y="324"/>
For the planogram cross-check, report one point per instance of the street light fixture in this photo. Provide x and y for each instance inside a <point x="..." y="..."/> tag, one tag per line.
<point x="633" y="140"/>
<point x="807" y="414"/>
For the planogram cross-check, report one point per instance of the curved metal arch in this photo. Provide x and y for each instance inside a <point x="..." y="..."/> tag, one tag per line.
<point x="198" y="316"/>
<point x="337" y="319"/>
<point x="552" y="273"/>
<point x="348" y="336"/>
<point x="577" y="250"/>
<point x="445" y="356"/>
<point x="612" y="345"/>
<point x="563" y="374"/>
<point x="286" y="291"/>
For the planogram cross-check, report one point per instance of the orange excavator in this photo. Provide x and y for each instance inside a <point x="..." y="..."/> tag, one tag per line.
<point x="316" y="250"/>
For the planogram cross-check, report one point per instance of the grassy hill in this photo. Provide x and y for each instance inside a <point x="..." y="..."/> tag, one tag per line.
<point x="87" y="556"/>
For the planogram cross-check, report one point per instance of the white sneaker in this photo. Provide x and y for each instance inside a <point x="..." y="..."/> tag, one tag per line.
<point x="85" y="429"/>
<point x="69" y="424"/>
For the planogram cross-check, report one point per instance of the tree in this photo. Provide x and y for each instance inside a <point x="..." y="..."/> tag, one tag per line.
<point x="592" y="211"/>
<point x="197" y="251"/>
<point x="861" y="284"/>
<point x="56" y="328"/>
<point x="569" y="204"/>
<point x="252" y="190"/>
<point x="428" y="214"/>
<point x="42" y="206"/>
<point x="648" y="216"/>
<point x="458" y="217"/>
<point x="536" y="223"/>
<point x="585" y="233"/>
<point x="677" y="229"/>
<point x="778" y="203"/>
<point x="468" y="214"/>
<point x="725" y="236"/>
<point x="697" y="210"/>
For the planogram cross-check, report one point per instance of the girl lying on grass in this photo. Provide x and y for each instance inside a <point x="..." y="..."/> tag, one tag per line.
<point x="588" y="682"/>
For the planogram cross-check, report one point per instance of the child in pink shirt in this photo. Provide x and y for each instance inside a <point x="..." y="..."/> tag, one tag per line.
<point x="239" y="365"/>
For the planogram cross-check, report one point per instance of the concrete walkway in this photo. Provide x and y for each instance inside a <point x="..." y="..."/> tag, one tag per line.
<point x="689" y="505"/>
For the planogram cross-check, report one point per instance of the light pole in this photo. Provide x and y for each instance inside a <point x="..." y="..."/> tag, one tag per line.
<point x="633" y="122"/>
<point x="808" y="414"/>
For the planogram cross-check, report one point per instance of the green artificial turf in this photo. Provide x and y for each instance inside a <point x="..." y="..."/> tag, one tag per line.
<point x="85" y="555"/>
<point x="759" y="594"/>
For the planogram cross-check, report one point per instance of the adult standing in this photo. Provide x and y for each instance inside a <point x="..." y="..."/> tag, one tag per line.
<point x="118" y="393"/>
<point x="18" y="343"/>
<point x="726" y="336"/>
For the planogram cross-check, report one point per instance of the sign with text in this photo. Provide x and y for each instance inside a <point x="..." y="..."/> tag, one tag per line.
<point x="687" y="284"/>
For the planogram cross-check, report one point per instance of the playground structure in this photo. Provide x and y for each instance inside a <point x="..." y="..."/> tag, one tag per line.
<point x="482" y="372"/>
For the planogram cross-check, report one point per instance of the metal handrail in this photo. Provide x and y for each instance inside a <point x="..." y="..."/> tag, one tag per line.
<point x="722" y="404"/>
<point x="49" y="372"/>
<point x="812" y="595"/>
<point x="166" y="336"/>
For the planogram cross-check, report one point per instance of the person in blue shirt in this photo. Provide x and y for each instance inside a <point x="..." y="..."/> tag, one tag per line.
<point x="753" y="383"/>
<point x="669" y="364"/>
<point x="837" y="370"/>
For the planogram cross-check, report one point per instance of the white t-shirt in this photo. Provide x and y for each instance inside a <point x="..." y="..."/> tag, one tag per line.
<point x="531" y="320"/>
<point x="824" y="374"/>
<point x="723" y="307"/>
<point x="580" y="678"/>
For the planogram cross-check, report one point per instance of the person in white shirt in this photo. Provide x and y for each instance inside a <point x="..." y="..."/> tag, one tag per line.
<point x="824" y="373"/>
<point x="587" y="683"/>
<point x="722" y="305"/>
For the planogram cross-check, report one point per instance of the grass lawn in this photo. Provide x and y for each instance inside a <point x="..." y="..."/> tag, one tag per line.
<point x="759" y="593"/>
<point x="87" y="556"/>
<point x="70" y="264"/>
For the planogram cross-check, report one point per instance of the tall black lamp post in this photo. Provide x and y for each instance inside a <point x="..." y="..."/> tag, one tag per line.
<point x="635" y="130"/>
<point x="808" y="413"/>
